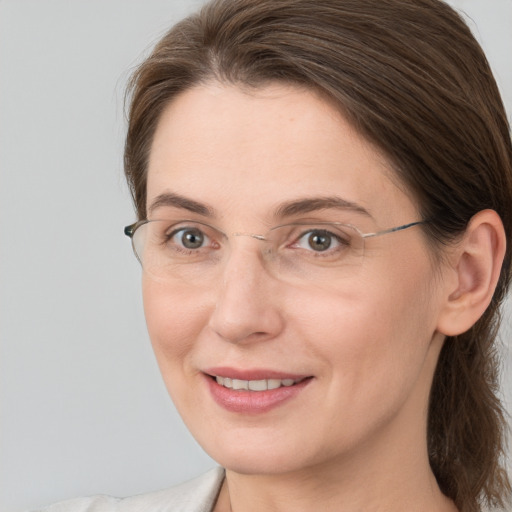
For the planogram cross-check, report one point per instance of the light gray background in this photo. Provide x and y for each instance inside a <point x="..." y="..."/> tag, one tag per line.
<point x="83" y="409"/>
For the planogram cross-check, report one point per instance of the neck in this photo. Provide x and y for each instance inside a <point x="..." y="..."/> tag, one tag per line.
<point x="354" y="486"/>
<point x="367" y="491"/>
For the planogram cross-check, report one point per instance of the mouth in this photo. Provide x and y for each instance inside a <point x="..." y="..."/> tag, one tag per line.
<point x="256" y="391"/>
<point x="255" y="385"/>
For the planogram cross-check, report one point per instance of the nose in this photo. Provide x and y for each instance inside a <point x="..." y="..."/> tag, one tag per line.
<point x="247" y="300"/>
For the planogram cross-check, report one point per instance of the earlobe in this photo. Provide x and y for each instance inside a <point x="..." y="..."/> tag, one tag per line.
<point x="476" y="264"/>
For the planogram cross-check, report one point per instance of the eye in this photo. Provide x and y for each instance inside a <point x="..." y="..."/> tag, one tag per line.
<point x="188" y="238"/>
<point x="320" y="240"/>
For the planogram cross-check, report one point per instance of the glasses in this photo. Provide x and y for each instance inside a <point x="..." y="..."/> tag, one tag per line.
<point x="192" y="251"/>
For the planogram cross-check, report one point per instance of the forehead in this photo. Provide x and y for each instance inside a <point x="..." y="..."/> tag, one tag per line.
<point x="254" y="149"/>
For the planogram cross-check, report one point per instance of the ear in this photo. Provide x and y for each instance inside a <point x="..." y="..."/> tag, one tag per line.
<point x="475" y="265"/>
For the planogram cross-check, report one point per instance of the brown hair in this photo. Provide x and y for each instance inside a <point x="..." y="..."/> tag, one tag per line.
<point x="412" y="79"/>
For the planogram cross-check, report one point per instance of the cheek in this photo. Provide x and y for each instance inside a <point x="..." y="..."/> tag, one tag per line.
<point x="174" y="318"/>
<point x="372" y="336"/>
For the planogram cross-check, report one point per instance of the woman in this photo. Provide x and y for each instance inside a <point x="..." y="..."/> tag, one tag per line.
<point x="323" y="194"/>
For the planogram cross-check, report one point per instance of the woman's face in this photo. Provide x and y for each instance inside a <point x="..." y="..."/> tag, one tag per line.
<point x="363" y="345"/>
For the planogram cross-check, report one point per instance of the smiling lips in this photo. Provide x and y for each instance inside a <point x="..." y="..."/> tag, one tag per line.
<point x="255" y="385"/>
<point x="256" y="393"/>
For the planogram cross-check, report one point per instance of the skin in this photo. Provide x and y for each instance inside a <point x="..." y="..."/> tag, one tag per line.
<point x="354" y="438"/>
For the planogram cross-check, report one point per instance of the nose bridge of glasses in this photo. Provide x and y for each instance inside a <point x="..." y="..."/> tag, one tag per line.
<point x="247" y="264"/>
<point x="251" y="235"/>
<point x="265" y="250"/>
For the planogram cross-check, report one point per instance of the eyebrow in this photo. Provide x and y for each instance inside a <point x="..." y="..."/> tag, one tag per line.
<point x="287" y="209"/>
<point x="311" y="204"/>
<point x="178" y="201"/>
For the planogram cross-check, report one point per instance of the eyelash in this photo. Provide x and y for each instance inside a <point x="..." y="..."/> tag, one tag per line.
<point x="178" y="245"/>
<point x="341" y="242"/>
<point x="209" y="241"/>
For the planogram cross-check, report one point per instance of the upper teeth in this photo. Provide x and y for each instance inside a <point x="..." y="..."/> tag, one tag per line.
<point x="254" y="385"/>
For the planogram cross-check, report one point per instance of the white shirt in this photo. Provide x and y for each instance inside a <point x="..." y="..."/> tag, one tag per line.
<point x="197" y="495"/>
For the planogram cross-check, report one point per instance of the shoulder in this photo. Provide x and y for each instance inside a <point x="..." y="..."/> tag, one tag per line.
<point x="197" y="495"/>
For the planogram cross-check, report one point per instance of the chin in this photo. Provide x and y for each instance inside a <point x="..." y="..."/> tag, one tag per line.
<point x="261" y="451"/>
<point x="254" y="462"/>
